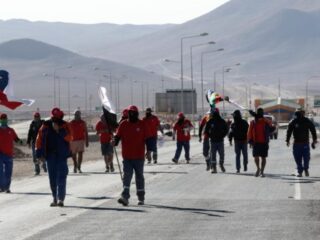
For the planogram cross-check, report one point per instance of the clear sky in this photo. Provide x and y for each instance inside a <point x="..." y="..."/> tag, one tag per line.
<point x="110" y="11"/>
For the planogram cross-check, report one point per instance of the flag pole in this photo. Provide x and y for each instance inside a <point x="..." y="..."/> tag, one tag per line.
<point x="120" y="171"/>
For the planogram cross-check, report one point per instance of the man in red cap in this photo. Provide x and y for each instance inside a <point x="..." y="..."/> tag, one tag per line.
<point x="133" y="134"/>
<point x="53" y="144"/>
<point x="31" y="141"/>
<point x="217" y="129"/>
<point x="79" y="139"/>
<point x="182" y="129"/>
<point x="7" y="137"/>
<point x="153" y="123"/>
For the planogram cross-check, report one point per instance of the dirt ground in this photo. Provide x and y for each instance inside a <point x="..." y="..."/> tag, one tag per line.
<point x="23" y="164"/>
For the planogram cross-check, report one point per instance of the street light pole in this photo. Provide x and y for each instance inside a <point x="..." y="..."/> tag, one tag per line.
<point x="225" y="69"/>
<point x="307" y="92"/>
<point x="181" y="74"/>
<point x="54" y="85"/>
<point x="191" y="68"/>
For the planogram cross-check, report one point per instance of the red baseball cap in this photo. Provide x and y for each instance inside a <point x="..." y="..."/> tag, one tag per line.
<point x="180" y="115"/>
<point x="3" y="116"/>
<point x="56" y="112"/>
<point x="36" y="114"/>
<point x="133" y="108"/>
<point x="125" y="112"/>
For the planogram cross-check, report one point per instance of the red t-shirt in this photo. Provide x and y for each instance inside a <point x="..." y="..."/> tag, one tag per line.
<point x="106" y="134"/>
<point x="153" y="124"/>
<point x="78" y="130"/>
<point x="183" y="130"/>
<point x="133" y="137"/>
<point x="7" y="137"/>
<point x="257" y="130"/>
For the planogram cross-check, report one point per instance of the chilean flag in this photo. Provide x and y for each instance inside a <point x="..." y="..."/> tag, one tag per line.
<point x="108" y="108"/>
<point x="4" y="80"/>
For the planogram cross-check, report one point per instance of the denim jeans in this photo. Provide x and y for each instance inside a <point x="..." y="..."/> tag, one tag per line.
<point x="136" y="166"/>
<point x="301" y="151"/>
<point x="6" y="167"/>
<point x="186" y="146"/>
<point x="57" y="172"/>
<point x="214" y="148"/>
<point x="238" y="148"/>
<point x="152" y="147"/>
<point x="205" y="147"/>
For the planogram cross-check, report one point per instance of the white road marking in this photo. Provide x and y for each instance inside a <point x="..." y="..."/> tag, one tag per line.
<point x="297" y="189"/>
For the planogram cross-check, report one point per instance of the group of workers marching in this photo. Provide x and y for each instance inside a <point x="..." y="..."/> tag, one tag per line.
<point x="53" y="141"/>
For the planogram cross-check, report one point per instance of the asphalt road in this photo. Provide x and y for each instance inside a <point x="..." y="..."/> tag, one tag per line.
<point x="182" y="202"/>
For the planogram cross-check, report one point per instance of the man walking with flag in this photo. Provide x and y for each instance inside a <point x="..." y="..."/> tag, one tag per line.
<point x="133" y="134"/>
<point x="105" y="132"/>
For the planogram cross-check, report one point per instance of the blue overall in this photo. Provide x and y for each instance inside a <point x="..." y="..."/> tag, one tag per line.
<point x="6" y="166"/>
<point x="136" y="166"/>
<point x="301" y="151"/>
<point x="56" y="155"/>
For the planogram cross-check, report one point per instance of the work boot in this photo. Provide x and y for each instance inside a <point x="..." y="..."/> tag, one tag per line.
<point x="155" y="161"/>
<point x="299" y="175"/>
<point x="238" y="171"/>
<point x="257" y="172"/>
<point x="140" y="202"/>
<point x="107" y="169"/>
<point x="175" y="160"/>
<point x="54" y="203"/>
<point x="306" y="173"/>
<point x="123" y="201"/>
<point x="60" y="204"/>
<point x="208" y="166"/>
<point x="44" y="167"/>
<point x="245" y="168"/>
<point x="214" y="169"/>
<point x="79" y="168"/>
<point x="222" y="168"/>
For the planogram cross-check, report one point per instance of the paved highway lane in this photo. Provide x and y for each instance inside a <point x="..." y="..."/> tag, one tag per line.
<point x="182" y="202"/>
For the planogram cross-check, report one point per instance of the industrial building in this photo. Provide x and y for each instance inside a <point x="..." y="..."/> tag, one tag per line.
<point x="170" y="101"/>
